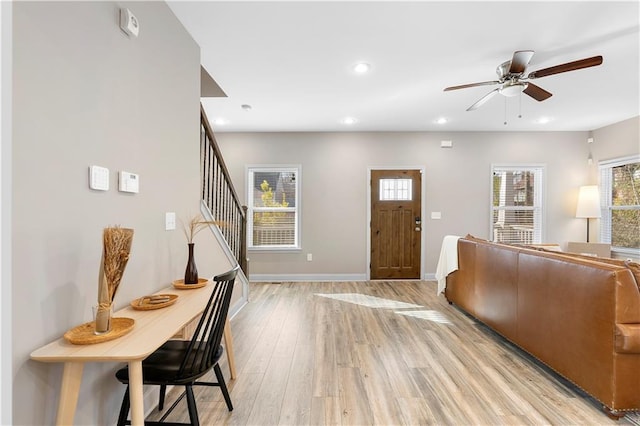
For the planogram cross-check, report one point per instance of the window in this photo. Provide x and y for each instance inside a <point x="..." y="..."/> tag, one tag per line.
<point x="620" y="203"/>
<point x="516" y="205"/>
<point x="273" y="207"/>
<point x="395" y="189"/>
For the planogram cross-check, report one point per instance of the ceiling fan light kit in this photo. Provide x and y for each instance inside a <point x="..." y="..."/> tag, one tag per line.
<point x="513" y="81"/>
<point x="511" y="89"/>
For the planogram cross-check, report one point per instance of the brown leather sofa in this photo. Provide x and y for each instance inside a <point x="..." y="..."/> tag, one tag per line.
<point x="577" y="314"/>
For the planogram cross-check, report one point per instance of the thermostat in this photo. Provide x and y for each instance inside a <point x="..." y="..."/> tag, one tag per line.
<point x="129" y="182"/>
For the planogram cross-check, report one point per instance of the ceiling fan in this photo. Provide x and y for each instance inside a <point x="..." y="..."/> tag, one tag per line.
<point x="512" y="78"/>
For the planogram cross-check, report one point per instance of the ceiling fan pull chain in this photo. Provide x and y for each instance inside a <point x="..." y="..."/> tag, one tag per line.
<point x="520" y="105"/>
<point x="505" y="111"/>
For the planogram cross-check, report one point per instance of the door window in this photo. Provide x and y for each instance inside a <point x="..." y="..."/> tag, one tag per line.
<point x="395" y="190"/>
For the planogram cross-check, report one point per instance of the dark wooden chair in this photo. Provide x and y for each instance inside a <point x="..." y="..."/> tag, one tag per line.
<point x="183" y="362"/>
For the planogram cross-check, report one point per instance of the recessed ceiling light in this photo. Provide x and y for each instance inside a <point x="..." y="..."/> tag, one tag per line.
<point x="220" y="121"/>
<point x="543" y="120"/>
<point x="246" y="107"/>
<point x="349" y="120"/>
<point x="361" y="68"/>
<point x="441" y="120"/>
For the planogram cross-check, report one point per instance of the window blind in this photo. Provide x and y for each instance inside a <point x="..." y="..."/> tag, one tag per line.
<point x="273" y="203"/>
<point x="620" y="203"/>
<point x="516" y="204"/>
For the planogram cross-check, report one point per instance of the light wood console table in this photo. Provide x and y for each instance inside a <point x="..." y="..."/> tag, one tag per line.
<point x="152" y="328"/>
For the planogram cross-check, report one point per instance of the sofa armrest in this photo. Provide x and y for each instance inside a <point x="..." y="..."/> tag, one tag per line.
<point x="628" y="338"/>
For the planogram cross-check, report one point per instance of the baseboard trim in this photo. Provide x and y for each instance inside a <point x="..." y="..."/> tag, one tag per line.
<point x="270" y="278"/>
<point x="305" y="277"/>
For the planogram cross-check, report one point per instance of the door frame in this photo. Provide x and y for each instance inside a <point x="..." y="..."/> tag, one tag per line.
<point x="422" y="212"/>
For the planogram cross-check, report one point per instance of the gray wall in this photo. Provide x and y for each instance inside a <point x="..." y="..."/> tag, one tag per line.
<point x="85" y="94"/>
<point x="456" y="183"/>
<point x="5" y="212"/>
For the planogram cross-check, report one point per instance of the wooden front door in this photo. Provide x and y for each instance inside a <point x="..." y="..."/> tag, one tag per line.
<point x="396" y="224"/>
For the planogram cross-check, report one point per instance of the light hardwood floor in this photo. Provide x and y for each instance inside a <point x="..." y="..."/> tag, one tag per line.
<point x="342" y="354"/>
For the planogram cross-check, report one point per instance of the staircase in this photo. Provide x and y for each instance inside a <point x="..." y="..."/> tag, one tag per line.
<point x="220" y="201"/>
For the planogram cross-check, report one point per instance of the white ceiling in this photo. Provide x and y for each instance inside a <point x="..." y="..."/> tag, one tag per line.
<point x="291" y="61"/>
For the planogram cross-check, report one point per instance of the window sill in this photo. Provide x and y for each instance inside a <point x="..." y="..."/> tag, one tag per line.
<point x="274" y="249"/>
<point x="622" y="252"/>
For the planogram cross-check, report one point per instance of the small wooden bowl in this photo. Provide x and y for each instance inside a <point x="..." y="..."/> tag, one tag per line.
<point x="148" y="303"/>
<point x="179" y="284"/>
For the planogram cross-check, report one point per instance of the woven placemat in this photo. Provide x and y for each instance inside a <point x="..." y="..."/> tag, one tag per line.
<point x="179" y="284"/>
<point x="155" y="301"/>
<point x="84" y="335"/>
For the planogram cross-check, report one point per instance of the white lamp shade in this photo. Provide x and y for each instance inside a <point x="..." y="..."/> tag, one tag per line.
<point x="588" y="202"/>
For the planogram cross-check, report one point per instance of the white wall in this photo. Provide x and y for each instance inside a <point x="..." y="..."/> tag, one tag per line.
<point x="84" y="94"/>
<point x="457" y="184"/>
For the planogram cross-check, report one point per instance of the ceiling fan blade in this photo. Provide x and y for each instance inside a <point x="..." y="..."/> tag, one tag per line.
<point x="537" y="92"/>
<point x="464" y="86"/>
<point x="520" y="61"/>
<point x="483" y="99"/>
<point x="569" y="66"/>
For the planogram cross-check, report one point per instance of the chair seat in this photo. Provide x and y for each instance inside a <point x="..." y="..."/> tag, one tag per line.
<point x="163" y="365"/>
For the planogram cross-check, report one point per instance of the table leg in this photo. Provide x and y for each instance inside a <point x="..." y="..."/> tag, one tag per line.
<point x="228" y="343"/>
<point x="135" y="393"/>
<point x="69" y="390"/>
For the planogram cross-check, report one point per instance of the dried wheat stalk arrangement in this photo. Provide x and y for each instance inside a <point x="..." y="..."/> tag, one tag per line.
<point x="116" y="246"/>
<point x="195" y="225"/>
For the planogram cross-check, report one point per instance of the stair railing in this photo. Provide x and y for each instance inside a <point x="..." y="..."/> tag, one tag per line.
<point x="220" y="196"/>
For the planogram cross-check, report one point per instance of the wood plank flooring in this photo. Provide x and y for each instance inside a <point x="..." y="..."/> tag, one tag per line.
<point x="340" y="353"/>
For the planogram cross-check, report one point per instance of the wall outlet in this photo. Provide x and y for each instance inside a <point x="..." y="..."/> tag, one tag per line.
<point x="309" y="257"/>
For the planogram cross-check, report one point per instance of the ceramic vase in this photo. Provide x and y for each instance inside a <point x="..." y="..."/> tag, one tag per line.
<point x="191" y="272"/>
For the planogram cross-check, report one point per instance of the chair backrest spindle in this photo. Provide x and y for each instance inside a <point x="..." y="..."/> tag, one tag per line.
<point x="207" y="336"/>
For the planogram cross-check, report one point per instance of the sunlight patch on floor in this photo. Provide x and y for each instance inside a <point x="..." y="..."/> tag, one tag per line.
<point x="435" y="316"/>
<point x="369" y="301"/>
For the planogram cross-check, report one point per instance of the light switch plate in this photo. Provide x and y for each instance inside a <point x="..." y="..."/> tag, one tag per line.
<point x="170" y="221"/>
<point x="99" y="178"/>
<point x="436" y="215"/>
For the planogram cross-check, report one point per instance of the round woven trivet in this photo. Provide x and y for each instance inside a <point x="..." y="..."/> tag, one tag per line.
<point x="179" y="284"/>
<point x="84" y="334"/>
<point x="145" y="303"/>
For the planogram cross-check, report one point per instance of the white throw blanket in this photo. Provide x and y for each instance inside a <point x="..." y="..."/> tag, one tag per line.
<point x="448" y="261"/>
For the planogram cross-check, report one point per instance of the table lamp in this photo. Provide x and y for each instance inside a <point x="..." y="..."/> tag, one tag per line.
<point x="588" y="204"/>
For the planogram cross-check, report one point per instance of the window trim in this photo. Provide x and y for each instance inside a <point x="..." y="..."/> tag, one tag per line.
<point x="540" y="195"/>
<point x="295" y="168"/>
<point x="605" y="187"/>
